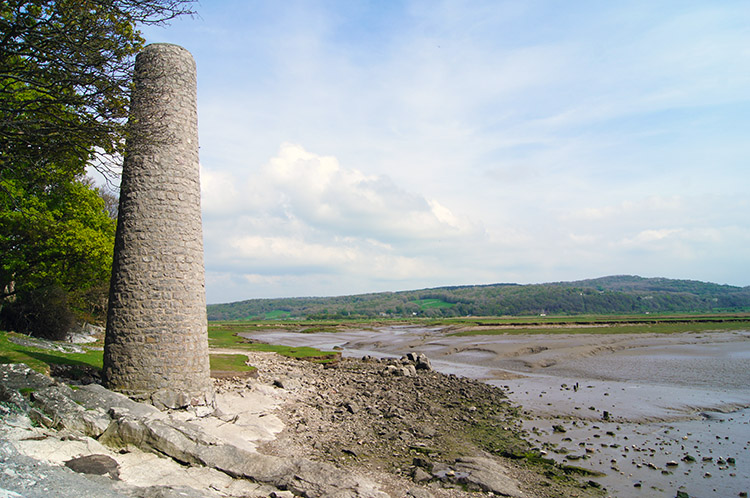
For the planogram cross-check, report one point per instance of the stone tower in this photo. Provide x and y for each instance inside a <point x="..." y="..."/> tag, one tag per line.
<point x="156" y="344"/>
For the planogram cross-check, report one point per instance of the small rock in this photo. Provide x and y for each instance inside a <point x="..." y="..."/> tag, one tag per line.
<point x="418" y="493"/>
<point x="420" y="475"/>
<point x="281" y="494"/>
<point x="287" y="383"/>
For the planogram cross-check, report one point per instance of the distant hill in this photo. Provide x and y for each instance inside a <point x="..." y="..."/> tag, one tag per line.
<point x="606" y="295"/>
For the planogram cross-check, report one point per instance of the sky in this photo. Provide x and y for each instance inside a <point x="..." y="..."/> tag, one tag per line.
<point x="364" y="146"/>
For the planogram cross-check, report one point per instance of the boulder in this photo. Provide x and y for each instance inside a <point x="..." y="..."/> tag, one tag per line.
<point x="19" y="376"/>
<point x="95" y="464"/>
<point x="419" y="360"/>
<point x="487" y="475"/>
<point x="186" y="443"/>
<point x="95" y="396"/>
<point x="55" y="408"/>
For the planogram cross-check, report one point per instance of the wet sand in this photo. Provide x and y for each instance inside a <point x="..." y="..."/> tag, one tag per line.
<point x="669" y="398"/>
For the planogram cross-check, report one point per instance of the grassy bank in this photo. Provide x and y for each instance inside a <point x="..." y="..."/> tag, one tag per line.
<point x="40" y="359"/>
<point x="18" y="348"/>
<point x="225" y="336"/>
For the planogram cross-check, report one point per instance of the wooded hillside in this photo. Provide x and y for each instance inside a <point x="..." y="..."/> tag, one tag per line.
<point x="614" y="294"/>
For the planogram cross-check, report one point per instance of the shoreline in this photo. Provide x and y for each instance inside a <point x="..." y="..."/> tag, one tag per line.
<point x="423" y="432"/>
<point x="538" y="372"/>
<point x="367" y="429"/>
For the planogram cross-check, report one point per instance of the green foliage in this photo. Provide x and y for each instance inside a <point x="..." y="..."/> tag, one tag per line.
<point x="43" y="312"/>
<point x="65" y="75"/>
<point x="608" y="295"/>
<point x="56" y="248"/>
<point x="426" y="304"/>
<point x="65" y="79"/>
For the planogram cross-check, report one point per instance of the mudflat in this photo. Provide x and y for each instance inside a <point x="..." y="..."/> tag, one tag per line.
<point x="658" y="413"/>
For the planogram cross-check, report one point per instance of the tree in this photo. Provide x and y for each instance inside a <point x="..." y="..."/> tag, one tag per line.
<point x="56" y="245"/>
<point x="65" y="78"/>
<point x="65" y="75"/>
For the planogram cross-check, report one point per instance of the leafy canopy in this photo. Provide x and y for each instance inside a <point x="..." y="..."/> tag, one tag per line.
<point x="65" y="76"/>
<point x="65" y="79"/>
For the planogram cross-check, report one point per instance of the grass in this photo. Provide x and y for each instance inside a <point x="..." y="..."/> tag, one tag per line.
<point x="332" y="325"/>
<point x="225" y="336"/>
<point x="230" y="363"/>
<point x="219" y="337"/>
<point x="40" y="359"/>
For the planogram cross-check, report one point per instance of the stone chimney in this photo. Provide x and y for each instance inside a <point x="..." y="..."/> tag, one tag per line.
<point x="156" y="343"/>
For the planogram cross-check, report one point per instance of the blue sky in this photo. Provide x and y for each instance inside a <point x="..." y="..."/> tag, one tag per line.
<point x="354" y="146"/>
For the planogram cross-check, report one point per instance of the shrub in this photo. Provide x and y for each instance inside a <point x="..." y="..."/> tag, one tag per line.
<point x="43" y="312"/>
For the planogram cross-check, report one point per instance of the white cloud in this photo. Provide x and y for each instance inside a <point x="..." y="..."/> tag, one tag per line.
<point x="306" y="213"/>
<point x="289" y="252"/>
<point x="218" y="192"/>
<point x="297" y="185"/>
<point x="646" y="238"/>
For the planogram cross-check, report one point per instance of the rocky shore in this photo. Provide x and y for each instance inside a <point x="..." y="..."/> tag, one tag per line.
<point x="355" y="428"/>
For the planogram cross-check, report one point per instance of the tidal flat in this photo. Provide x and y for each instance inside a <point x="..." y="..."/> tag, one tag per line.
<point x="657" y="413"/>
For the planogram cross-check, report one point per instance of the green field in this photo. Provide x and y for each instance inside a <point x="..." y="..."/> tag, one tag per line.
<point x="277" y="315"/>
<point x="601" y="324"/>
<point x="428" y="304"/>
